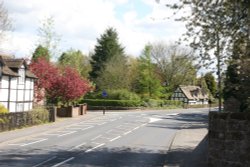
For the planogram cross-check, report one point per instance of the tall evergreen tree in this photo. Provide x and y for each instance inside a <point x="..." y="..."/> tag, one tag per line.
<point x="211" y="83"/>
<point x="107" y="47"/>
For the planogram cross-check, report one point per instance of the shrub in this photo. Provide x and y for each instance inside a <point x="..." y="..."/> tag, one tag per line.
<point x="3" y="110"/>
<point x="162" y="103"/>
<point x="119" y="94"/>
<point x="106" y="102"/>
<point x="39" y="115"/>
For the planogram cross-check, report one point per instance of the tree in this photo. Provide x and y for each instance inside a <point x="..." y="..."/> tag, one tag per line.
<point x="175" y="65"/>
<point x="106" y="48"/>
<point x="60" y="85"/>
<point x="115" y="74"/>
<point x="75" y="59"/>
<point x="5" y="22"/>
<point x="40" y="52"/>
<point x="216" y="26"/>
<point x="148" y="85"/>
<point x="211" y="83"/>
<point x="49" y="39"/>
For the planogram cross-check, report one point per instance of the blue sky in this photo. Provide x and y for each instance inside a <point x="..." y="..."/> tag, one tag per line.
<point x="80" y="23"/>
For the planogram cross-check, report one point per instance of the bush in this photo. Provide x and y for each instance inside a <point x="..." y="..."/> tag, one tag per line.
<point x="106" y="102"/>
<point x="39" y="115"/>
<point x="162" y="103"/>
<point x="3" y="110"/>
<point x="120" y="94"/>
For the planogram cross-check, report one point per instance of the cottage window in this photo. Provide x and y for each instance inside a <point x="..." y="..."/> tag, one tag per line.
<point x="21" y="73"/>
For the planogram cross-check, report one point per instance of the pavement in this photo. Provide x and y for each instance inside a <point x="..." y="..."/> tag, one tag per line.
<point x="188" y="148"/>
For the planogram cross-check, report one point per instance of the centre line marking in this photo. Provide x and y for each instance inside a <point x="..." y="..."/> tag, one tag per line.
<point x="127" y="132"/>
<point x="63" y="162"/>
<point x="66" y="133"/>
<point x="87" y="128"/>
<point x="96" y="137"/>
<point x="102" y="123"/>
<point x="115" y="138"/>
<point x="33" y="142"/>
<point x="45" y="161"/>
<point x="94" y="147"/>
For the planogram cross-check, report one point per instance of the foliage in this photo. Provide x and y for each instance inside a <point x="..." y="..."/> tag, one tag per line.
<point x="5" y="21"/>
<point x="48" y="37"/>
<point x="211" y="83"/>
<point x="120" y="103"/>
<point x="218" y="27"/>
<point x="39" y="115"/>
<point x="75" y="59"/>
<point x="148" y="84"/>
<point x="61" y="85"/>
<point x="114" y="75"/>
<point x="39" y="52"/>
<point x="120" y="94"/>
<point x="162" y="103"/>
<point x="3" y="110"/>
<point x="175" y="65"/>
<point x="107" y="47"/>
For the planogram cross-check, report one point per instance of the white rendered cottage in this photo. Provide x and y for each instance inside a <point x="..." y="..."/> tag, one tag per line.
<point x="16" y="84"/>
<point x="190" y="95"/>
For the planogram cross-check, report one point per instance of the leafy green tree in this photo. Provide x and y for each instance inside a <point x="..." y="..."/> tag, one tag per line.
<point x="216" y="27"/>
<point x="75" y="59"/>
<point x="211" y="83"/>
<point x="148" y="85"/>
<point x="41" y="52"/>
<point x="107" y="47"/>
<point x="175" y="65"/>
<point x="114" y="75"/>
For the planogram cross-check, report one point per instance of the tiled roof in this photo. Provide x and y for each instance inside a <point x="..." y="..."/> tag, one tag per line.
<point x="194" y="92"/>
<point x="10" y="66"/>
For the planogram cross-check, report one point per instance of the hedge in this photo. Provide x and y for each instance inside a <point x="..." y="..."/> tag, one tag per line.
<point x="120" y="103"/>
<point x="162" y="103"/>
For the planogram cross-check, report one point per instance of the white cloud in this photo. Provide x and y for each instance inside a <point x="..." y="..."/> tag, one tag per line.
<point x="81" y="22"/>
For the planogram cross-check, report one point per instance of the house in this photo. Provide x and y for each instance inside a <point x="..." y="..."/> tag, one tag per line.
<point x="16" y="84"/>
<point x="190" y="95"/>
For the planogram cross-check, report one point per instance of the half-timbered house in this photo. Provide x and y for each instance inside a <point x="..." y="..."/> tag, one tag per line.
<point x="16" y="84"/>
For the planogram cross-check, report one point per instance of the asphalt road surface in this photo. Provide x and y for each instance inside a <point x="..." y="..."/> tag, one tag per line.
<point x="138" y="138"/>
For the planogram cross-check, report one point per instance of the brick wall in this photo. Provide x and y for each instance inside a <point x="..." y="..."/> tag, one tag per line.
<point x="229" y="139"/>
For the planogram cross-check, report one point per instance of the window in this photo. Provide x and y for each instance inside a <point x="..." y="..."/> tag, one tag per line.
<point x="21" y="73"/>
<point x="19" y="107"/>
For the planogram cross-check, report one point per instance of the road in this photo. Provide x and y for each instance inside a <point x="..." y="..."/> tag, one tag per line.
<point x="138" y="138"/>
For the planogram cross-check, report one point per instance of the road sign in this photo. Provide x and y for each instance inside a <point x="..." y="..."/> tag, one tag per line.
<point x="104" y="93"/>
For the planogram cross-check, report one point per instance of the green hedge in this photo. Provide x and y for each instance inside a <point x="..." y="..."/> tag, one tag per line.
<point x="120" y="103"/>
<point x="162" y="103"/>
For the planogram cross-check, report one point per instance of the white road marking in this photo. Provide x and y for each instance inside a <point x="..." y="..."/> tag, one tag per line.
<point x="102" y="123"/>
<point x="45" y="161"/>
<point x="136" y="127"/>
<point x="115" y="138"/>
<point x="154" y="120"/>
<point x="87" y="128"/>
<point x="96" y="137"/>
<point x="82" y="144"/>
<point x="16" y="144"/>
<point x="38" y="141"/>
<point x="67" y="133"/>
<point x="95" y="147"/>
<point x="63" y="162"/>
<point x="75" y="128"/>
<point x="127" y="132"/>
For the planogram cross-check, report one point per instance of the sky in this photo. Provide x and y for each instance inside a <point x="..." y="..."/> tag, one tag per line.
<point x="79" y="23"/>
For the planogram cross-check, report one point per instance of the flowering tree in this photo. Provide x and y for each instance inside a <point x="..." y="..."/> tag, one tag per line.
<point x="60" y="85"/>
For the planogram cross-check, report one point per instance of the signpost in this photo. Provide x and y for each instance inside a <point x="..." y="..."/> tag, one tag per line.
<point x="104" y="95"/>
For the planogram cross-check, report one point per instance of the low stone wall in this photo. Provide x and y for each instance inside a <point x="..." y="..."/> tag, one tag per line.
<point x="229" y="139"/>
<point x="14" y="120"/>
